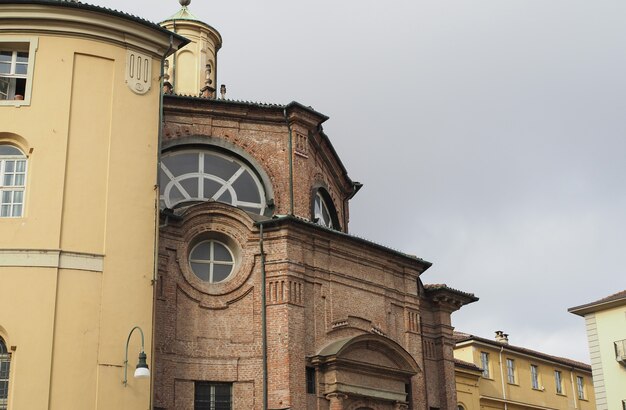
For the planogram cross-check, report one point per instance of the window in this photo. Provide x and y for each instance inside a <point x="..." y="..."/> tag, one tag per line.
<point x="558" y="381"/>
<point x="212" y="261"/>
<point x="16" y="67"/>
<point x="310" y="380"/>
<point x="12" y="181"/>
<point x="188" y="176"/>
<point x="580" y="387"/>
<point x="620" y="351"/>
<point x="484" y="361"/>
<point x="5" y="363"/>
<point x="534" y="376"/>
<point x="213" y="396"/>
<point x="322" y="212"/>
<point x="510" y="370"/>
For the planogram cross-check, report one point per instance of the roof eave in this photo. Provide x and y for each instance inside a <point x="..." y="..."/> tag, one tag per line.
<point x="587" y="308"/>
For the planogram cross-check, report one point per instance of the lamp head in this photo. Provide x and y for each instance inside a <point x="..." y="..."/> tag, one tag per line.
<point x="142" y="371"/>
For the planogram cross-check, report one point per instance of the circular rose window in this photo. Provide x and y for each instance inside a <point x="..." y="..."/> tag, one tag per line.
<point x="212" y="261"/>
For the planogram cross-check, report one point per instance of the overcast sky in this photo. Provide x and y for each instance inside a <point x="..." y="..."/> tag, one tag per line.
<point x="490" y="137"/>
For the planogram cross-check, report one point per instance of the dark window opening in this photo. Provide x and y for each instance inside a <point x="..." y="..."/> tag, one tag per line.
<point x="213" y="396"/>
<point x="409" y="395"/>
<point x="310" y="380"/>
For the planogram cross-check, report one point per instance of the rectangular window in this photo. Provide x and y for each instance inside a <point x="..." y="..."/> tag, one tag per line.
<point x="484" y="363"/>
<point x="510" y="370"/>
<point x="310" y="380"/>
<point x="213" y="396"/>
<point x="12" y="181"/>
<point x="580" y="385"/>
<point x="558" y="381"/>
<point x="534" y="376"/>
<point x="16" y="70"/>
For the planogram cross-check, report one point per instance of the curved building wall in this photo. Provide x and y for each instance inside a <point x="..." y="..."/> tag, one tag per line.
<point x="74" y="280"/>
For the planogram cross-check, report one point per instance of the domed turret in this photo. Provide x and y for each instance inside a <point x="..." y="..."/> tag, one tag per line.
<point x="193" y="69"/>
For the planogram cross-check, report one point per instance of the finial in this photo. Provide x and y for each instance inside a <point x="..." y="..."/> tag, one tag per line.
<point x="184" y="3"/>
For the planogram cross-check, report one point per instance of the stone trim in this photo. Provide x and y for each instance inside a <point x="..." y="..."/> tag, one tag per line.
<point x="45" y="258"/>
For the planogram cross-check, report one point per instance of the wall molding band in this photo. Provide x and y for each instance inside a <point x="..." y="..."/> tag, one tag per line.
<point x="47" y="258"/>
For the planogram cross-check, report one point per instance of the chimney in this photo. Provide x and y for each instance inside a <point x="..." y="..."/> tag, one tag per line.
<point x="502" y="337"/>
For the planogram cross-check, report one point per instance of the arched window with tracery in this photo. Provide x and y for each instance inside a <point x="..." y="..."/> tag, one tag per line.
<point x="5" y="364"/>
<point x="203" y="175"/>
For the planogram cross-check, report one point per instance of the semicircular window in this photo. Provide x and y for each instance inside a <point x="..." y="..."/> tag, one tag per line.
<point x="188" y="176"/>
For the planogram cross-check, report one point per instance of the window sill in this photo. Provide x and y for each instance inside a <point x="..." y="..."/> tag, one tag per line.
<point x="14" y="103"/>
<point x="513" y="384"/>
<point x="539" y="390"/>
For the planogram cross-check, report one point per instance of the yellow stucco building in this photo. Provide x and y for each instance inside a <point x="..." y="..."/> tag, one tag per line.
<point x="79" y="104"/>
<point x="605" y="320"/>
<point x="492" y="374"/>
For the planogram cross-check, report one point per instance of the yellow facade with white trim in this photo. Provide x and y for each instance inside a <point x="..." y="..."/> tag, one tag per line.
<point x="76" y="269"/>
<point x="494" y="390"/>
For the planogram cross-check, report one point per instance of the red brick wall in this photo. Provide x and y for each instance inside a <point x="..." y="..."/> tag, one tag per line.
<point x="322" y="286"/>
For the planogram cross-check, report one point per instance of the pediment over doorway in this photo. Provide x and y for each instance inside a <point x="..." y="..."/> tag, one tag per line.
<point x="366" y="367"/>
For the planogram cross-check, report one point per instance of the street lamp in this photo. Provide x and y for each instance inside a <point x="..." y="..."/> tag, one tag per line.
<point x="141" y="371"/>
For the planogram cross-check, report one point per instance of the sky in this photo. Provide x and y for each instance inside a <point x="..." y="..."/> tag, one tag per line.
<point x="490" y="137"/>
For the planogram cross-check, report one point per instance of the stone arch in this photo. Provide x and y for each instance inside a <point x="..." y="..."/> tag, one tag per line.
<point x="372" y="369"/>
<point x="16" y="140"/>
<point x="387" y="347"/>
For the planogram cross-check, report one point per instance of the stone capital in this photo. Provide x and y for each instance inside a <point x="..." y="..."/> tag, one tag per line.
<point x="338" y="397"/>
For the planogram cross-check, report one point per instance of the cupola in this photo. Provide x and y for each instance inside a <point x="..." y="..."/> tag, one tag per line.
<point x="192" y="70"/>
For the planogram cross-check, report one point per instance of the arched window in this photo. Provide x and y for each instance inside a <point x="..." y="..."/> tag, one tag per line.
<point x="188" y="176"/>
<point x="5" y="363"/>
<point x="12" y="181"/>
<point x="323" y="210"/>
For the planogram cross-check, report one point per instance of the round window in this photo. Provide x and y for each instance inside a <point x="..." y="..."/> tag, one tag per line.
<point x="212" y="261"/>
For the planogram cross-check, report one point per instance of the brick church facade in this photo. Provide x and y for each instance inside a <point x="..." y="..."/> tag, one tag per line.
<point x="247" y="291"/>
<point x="263" y="298"/>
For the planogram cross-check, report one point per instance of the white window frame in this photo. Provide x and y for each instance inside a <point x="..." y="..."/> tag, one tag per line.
<point x="319" y="207"/>
<point x="558" y="381"/>
<point x="199" y="175"/>
<point x="580" y="387"/>
<point x="12" y="188"/>
<point x="484" y="361"/>
<point x="6" y="358"/>
<point x="510" y="370"/>
<point x="534" y="376"/>
<point x="10" y="43"/>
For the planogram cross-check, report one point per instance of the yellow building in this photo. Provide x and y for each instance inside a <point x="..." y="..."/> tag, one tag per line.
<point x="492" y="374"/>
<point x="605" y="320"/>
<point x="79" y="115"/>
